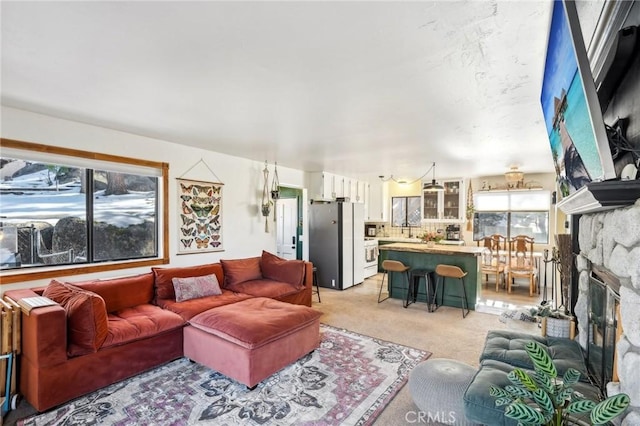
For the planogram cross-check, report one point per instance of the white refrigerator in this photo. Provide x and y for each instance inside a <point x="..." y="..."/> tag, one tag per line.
<point x="336" y="243"/>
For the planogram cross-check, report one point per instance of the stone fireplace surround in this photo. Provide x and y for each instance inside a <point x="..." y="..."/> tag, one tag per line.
<point x="611" y="241"/>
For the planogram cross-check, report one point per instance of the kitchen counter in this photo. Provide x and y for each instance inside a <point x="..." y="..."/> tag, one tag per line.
<point x="437" y="248"/>
<point x="413" y="240"/>
<point x="398" y="239"/>
<point x="423" y="256"/>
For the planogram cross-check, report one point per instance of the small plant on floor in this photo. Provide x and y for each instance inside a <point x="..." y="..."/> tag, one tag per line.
<point x="546" y="309"/>
<point x="542" y="398"/>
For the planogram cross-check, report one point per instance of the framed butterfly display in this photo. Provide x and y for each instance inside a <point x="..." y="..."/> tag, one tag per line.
<point x="199" y="216"/>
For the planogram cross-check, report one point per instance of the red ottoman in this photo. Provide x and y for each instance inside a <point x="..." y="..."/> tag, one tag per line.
<point x="250" y="340"/>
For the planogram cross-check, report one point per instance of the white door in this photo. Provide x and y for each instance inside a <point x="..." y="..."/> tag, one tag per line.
<point x="286" y="225"/>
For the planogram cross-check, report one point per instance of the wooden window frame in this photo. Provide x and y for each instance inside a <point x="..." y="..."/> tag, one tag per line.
<point x="10" y="277"/>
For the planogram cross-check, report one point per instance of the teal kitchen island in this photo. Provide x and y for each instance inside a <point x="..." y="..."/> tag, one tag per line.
<point x="424" y="256"/>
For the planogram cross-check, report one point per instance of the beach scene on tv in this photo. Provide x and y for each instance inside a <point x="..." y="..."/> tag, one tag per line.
<point x="567" y="117"/>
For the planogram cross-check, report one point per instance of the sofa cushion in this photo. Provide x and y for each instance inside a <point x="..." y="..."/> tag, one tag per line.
<point x="86" y="317"/>
<point x="480" y="407"/>
<point x="240" y="270"/>
<point x="264" y="288"/>
<point x="195" y="287"/>
<point x="123" y="292"/>
<point x="509" y="347"/>
<point x="278" y="269"/>
<point x="164" y="277"/>
<point x="140" y="322"/>
<point x="253" y="323"/>
<point x="190" y="308"/>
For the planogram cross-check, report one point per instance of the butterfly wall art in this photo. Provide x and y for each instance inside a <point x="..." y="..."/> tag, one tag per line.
<point x="200" y="216"/>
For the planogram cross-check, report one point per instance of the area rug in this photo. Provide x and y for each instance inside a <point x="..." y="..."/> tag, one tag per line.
<point x="348" y="380"/>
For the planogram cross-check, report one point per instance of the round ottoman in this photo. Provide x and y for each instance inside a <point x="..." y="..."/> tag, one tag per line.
<point x="437" y="387"/>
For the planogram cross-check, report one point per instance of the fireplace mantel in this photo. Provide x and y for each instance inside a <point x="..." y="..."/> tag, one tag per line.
<point x="601" y="196"/>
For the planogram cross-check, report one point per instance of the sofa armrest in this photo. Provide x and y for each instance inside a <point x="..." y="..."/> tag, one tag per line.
<point x="44" y="332"/>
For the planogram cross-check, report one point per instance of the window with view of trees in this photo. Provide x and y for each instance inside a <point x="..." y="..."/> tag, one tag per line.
<point x="55" y="213"/>
<point x="511" y="214"/>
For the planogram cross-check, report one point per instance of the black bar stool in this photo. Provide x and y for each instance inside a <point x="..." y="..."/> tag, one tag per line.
<point x="450" y="271"/>
<point x="389" y="266"/>
<point x="315" y="282"/>
<point x="415" y="276"/>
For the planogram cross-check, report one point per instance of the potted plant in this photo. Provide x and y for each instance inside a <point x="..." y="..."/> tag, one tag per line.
<point x="542" y="398"/>
<point x="554" y="322"/>
<point x="431" y="238"/>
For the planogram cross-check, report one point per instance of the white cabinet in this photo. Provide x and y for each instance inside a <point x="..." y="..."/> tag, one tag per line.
<point x="322" y="186"/>
<point x="377" y="202"/>
<point x="361" y="189"/>
<point x="329" y="186"/>
<point x="445" y="206"/>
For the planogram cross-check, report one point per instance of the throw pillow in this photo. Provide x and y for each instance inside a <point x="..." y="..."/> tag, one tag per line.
<point x="237" y="271"/>
<point x="87" y="323"/>
<point x="164" y="277"/>
<point x="195" y="287"/>
<point x="278" y="269"/>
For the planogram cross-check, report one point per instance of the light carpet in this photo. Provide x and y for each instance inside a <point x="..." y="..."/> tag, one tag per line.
<point x="348" y="380"/>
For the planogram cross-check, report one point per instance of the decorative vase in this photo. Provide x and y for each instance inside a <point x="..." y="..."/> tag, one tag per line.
<point x="558" y="327"/>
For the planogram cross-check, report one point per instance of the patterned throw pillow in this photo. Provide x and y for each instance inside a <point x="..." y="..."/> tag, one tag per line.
<point x="194" y="287"/>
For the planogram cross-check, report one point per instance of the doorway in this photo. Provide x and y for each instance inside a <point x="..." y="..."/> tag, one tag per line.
<point x="289" y="223"/>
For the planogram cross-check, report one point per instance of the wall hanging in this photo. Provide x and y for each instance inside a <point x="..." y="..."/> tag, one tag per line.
<point x="275" y="190"/>
<point x="266" y="202"/>
<point x="200" y="215"/>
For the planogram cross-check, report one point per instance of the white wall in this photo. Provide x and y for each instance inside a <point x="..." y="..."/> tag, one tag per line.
<point x="243" y="224"/>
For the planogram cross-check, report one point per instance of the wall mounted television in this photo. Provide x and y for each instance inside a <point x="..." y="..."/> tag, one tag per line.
<point x="573" y="119"/>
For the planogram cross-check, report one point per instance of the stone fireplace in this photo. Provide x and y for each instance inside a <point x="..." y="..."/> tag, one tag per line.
<point x="609" y="241"/>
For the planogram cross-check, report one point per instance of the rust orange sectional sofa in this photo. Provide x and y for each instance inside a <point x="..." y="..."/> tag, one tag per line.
<point x="104" y="331"/>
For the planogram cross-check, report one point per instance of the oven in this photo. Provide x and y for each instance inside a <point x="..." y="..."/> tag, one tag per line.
<point x="370" y="258"/>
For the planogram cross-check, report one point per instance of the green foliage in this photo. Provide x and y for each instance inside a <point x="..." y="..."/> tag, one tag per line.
<point x="519" y="378"/>
<point x="541" y="398"/>
<point x="542" y="362"/>
<point x="609" y="409"/>
<point x="524" y="414"/>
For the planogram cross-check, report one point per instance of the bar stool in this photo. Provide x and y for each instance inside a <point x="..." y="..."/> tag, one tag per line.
<point x="416" y="274"/>
<point x="389" y="266"/>
<point x="315" y="282"/>
<point x="450" y="271"/>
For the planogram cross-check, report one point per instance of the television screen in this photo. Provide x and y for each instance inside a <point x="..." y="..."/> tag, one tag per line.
<point x="578" y="138"/>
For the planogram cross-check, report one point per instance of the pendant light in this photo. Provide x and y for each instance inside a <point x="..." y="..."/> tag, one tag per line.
<point x="433" y="186"/>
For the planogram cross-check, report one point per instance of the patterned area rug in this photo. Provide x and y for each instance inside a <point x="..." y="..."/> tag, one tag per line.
<point x="348" y="380"/>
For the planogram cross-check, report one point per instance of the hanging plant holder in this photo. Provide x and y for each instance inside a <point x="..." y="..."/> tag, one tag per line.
<point x="470" y="208"/>
<point x="275" y="190"/>
<point x="266" y="203"/>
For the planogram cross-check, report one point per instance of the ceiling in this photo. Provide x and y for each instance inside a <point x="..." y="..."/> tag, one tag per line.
<point x="355" y="88"/>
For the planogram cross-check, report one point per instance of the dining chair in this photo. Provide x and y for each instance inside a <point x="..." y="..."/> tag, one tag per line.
<point x="493" y="261"/>
<point x="521" y="262"/>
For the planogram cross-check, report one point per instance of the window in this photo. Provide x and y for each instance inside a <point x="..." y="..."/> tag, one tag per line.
<point x="405" y="211"/>
<point x="511" y="214"/>
<point x="78" y="211"/>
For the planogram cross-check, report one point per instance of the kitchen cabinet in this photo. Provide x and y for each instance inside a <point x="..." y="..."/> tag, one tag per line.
<point x="445" y="206"/>
<point x="377" y="209"/>
<point x="329" y="186"/>
<point x="360" y="191"/>
<point x="322" y="186"/>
